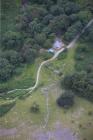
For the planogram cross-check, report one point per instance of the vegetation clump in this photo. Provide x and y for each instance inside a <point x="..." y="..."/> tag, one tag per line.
<point x="36" y="26"/>
<point x="35" y="108"/>
<point x="66" y="100"/>
<point x="81" y="81"/>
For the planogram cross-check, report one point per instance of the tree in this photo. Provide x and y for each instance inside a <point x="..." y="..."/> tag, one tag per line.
<point x="61" y="26"/>
<point x="47" y="44"/>
<point x="34" y="27"/>
<point x="88" y="35"/>
<point x="12" y="40"/>
<point x="63" y="55"/>
<point x="13" y="57"/>
<point x="47" y="30"/>
<point x="84" y="16"/>
<point x="46" y="55"/>
<point x="40" y="38"/>
<point x="71" y="7"/>
<point x="46" y="2"/>
<point x="73" y="18"/>
<point x="37" y="1"/>
<point x="29" y="41"/>
<point x="56" y="10"/>
<point x="28" y="54"/>
<point x="81" y="83"/>
<point x="36" y="11"/>
<point x="47" y="19"/>
<point x="73" y="31"/>
<point x="35" y="107"/>
<point x="5" y="69"/>
<point x="66" y="99"/>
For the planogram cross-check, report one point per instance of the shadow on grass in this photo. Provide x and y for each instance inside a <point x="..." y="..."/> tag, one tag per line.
<point x="4" y="108"/>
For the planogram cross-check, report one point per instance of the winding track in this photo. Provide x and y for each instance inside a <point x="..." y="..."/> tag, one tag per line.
<point x="39" y="69"/>
<point x="71" y="44"/>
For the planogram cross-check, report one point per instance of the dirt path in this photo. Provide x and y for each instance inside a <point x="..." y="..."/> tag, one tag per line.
<point x="71" y="44"/>
<point x="13" y="130"/>
<point x="46" y="118"/>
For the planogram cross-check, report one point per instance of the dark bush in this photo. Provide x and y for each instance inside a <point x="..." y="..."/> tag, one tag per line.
<point x="80" y="83"/>
<point x="66" y="99"/>
<point x="46" y="55"/>
<point x="35" y="108"/>
<point x="12" y="40"/>
<point x="5" y="69"/>
<point x="63" y="55"/>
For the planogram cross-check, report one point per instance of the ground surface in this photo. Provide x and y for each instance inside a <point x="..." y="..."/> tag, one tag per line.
<point x="21" y="124"/>
<point x="75" y="123"/>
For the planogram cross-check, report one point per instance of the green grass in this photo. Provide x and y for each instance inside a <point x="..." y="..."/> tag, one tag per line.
<point x="78" y="114"/>
<point x="66" y="65"/>
<point x="22" y="111"/>
<point x="25" y="80"/>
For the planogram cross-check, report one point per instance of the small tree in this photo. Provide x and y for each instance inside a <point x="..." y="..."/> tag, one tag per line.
<point x="73" y="30"/>
<point x="46" y="55"/>
<point x="5" y="69"/>
<point x="28" y="54"/>
<point x="71" y="7"/>
<point x="47" y="44"/>
<point x="35" y="107"/>
<point x="13" y="57"/>
<point x="12" y="40"/>
<point x="56" y="10"/>
<point x="40" y="38"/>
<point x="84" y="16"/>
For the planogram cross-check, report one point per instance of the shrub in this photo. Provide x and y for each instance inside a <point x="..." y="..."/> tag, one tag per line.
<point x="79" y="57"/>
<point x="90" y="113"/>
<point x="13" y="57"/>
<point x="35" y="107"/>
<point x="84" y="16"/>
<point x="47" y="55"/>
<point x="80" y="126"/>
<point x="61" y="26"/>
<point x="73" y="31"/>
<point x="47" y="19"/>
<point x="66" y="99"/>
<point x="12" y="40"/>
<point x="63" y="55"/>
<point x="56" y="10"/>
<point x="28" y="54"/>
<point x="40" y="38"/>
<point x="82" y="49"/>
<point x="47" y="44"/>
<point x="5" y="69"/>
<point x="71" y="7"/>
<point x="81" y="83"/>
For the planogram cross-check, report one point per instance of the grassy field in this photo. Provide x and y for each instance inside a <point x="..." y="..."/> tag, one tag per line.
<point x="78" y="118"/>
<point x="27" y="123"/>
<point x="24" y="80"/>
